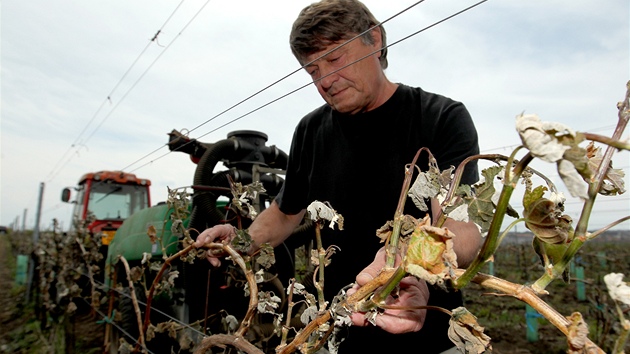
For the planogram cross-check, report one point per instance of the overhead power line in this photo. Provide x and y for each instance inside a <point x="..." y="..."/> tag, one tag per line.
<point x="79" y="142"/>
<point x="303" y="86"/>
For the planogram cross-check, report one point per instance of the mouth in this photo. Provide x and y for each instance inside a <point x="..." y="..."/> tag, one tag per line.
<point x="336" y="92"/>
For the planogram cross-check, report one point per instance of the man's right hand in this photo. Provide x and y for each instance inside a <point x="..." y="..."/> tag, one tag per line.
<point x="218" y="233"/>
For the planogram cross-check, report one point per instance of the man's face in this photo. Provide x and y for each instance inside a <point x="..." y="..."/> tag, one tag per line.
<point x="353" y="89"/>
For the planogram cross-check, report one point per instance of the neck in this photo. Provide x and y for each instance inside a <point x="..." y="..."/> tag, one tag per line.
<point x="384" y="94"/>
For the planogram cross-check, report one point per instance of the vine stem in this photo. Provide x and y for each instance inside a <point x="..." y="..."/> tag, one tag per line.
<point x="492" y="241"/>
<point x="319" y="284"/>
<point x="134" y="300"/>
<point x="285" y="328"/>
<point x="350" y="302"/>
<point x="530" y="297"/>
<point x="236" y="258"/>
<point x="581" y="232"/>
<point x="392" y="244"/>
<point x="620" y="343"/>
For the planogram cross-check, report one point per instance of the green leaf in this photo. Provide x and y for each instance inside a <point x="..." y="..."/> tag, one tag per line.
<point x="531" y="196"/>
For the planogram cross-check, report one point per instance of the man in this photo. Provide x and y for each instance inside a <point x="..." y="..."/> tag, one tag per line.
<point x="352" y="152"/>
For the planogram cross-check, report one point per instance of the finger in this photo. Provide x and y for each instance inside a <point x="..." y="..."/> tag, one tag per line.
<point x="214" y="261"/>
<point x="201" y="239"/>
<point x="400" y="321"/>
<point x="365" y="276"/>
<point x="358" y="319"/>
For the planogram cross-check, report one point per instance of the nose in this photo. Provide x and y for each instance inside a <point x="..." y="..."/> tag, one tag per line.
<point x="328" y="78"/>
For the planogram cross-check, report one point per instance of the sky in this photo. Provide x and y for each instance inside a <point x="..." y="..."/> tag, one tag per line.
<point x="98" y="85"/>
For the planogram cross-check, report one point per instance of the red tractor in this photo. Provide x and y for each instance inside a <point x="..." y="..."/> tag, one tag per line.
<point x="109" y="197"/>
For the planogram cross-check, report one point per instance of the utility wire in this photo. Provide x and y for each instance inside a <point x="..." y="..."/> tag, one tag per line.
<point x="259" y="92"/>
<point x="77" y="142"/>
<point x="305" y="85"/>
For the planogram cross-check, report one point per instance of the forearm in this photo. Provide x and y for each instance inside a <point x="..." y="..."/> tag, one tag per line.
<point x="273" y="226"/>
<point x="466" y="242"/>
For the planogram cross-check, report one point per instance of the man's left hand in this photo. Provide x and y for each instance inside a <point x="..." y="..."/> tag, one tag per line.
<point x="412" y="294"/>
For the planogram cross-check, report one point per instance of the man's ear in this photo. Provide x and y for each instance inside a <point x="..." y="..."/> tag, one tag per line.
<point x="376" y="36"/>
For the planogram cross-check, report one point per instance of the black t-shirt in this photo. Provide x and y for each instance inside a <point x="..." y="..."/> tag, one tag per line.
<point x="357" y="164"/>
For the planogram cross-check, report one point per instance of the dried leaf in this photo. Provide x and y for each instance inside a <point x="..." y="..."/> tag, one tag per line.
<point x="426" y="186"/>
<point x="572" y="179"/>
<point x="617" y="288"/>
<point x="319" y="211"/>
<point x="542" y="138"/>
<point x="243" y="196"/>
<point x="167" y="327"/>
<point x="136" y="274"/>
<point x="230" y="323"/>
<point x="146" y="257"/>
<point x="152" y="233"/>
<point x="185" y="341"/>
<point x="385" y="231"/>
<point x="170" y="278"/>
<point x="309" y="314"/>
<point x="545" y="219"/>
<point x="150" y="332"/>
<point x="242" y="242"/>
<point x="613" y="179"/>
<point x="268" y="302"/>
<point x="578" y="331"/>
<point x="430" y="255"/>
<point x="266" y="256"/>
<point x="466" y="333"/>
<point x="407" y="226"/>
<point x="480" y="206"/>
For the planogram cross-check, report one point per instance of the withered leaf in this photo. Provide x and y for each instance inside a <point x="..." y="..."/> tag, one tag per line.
<point x="426" y="186"/>
<point x="243" y="195"/>
<point x="152" y="233"/>
<point x="578" y="331"/>
<point x="466" y="333"/>
<point x="541" y="138"/>
<point x="481" y="206"/>
<point x="430" y="255"/>
<point x="267" y="302"/>
<point x="150" y="332"/>
<point x="266" y="257"/>
<point x="407" y="226"/>
<point x="613" y="179"/>
<point x="242" y="242"/>
<point x="546" y="221"/>
<point x="618" y="289"/>
<point x="169" y="327"/>
<point x="577" y="156"/>
<point x="572" y="179"/>
<point x="319" y="211"/>
<point x="136" y="273"/>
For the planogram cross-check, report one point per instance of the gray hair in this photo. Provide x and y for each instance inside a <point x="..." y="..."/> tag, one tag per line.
<point x="327" y="21"/>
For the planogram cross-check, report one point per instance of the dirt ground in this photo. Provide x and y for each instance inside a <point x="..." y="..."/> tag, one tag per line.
<point x="504" y="318"/>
